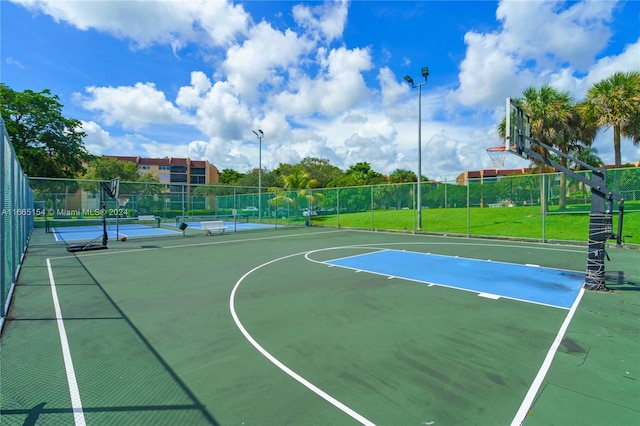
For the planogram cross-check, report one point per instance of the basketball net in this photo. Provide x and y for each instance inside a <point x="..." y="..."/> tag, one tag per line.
<point x="122" y="201"/>
<point x="497" y="155"/>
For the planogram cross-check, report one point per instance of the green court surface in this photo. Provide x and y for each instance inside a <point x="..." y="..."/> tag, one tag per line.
<point x="255" y="328"/>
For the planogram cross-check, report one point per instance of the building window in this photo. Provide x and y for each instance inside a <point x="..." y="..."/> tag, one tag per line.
<point x="165" y="167"/>
<point x="197" y="171"/>
<point x="178" y="169"/>
<point x="197" y="179"/>
<point x="164" y="176"/>
<point x="178" y="178"/>
<point x="143" y="167"/>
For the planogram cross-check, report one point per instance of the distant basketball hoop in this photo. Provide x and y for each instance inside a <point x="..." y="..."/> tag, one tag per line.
<point x="497" y="155"/>
<point x="122" y="201"/>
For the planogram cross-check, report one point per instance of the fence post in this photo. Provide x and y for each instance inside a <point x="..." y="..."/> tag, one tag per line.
<point x="3" y="251"/>
<point x="543" y="205"/>
<point x="468" y="207"/>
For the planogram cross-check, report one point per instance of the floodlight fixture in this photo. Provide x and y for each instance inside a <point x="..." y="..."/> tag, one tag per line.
<point x="425" y="72"/>
<point x="409" y="80"/>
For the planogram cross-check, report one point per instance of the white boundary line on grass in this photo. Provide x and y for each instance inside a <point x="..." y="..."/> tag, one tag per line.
<point x="331" y="400"/>
<point x="76" y="403"/>
<point x="544" y="369"/>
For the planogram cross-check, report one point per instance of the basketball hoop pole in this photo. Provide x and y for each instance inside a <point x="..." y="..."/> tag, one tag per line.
<point x="120" y="202"/>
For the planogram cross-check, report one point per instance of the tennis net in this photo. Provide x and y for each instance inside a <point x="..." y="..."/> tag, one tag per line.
<point x="241" y="218"/>
<point x="59" y="226"/>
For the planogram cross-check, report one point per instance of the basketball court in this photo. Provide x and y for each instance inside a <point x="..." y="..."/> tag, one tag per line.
<point x="320" y="326"/>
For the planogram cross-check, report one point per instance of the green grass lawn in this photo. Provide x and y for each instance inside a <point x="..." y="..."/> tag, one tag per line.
<point x="516" y="222"/>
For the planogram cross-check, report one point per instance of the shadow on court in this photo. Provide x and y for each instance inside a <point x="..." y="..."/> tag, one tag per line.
<point x="122" y="379"/>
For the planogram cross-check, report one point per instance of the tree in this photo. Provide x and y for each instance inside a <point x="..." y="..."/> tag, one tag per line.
<point x="321" y="170"/>
<point x="144" y="186"/>
<point x="589" y="155"/>
<point x="47" y="143"/>
<point x="615" y="102"/>
<point x="302" y="183"/>
<point x="107" y="168"/>
<point x="252" y="179"/>
<point x="402" y="176"/>
<point x="357" y="175"/>
<point x="229" y="176"/>
<point x="280" y="201"/>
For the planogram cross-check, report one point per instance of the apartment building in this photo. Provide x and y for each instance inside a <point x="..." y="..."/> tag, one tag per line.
<point x="175" y="171"/>
<point x="181" y="175"/>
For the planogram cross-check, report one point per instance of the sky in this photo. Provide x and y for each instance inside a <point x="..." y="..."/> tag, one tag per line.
<point x="320" y="79"/>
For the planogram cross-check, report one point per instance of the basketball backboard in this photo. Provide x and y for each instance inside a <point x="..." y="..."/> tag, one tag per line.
<point x="517" y="128"/>
<point x="516" y="132"/>
<point x="115" y="188"/>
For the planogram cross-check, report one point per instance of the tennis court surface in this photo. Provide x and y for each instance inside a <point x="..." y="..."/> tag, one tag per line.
<point x="318" y="326"/>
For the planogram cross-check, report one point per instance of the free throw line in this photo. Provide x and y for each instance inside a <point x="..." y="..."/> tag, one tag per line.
<point x="76" y="403"/>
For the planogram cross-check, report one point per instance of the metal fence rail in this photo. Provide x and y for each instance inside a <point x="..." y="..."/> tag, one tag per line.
<point x="16" y="220"/>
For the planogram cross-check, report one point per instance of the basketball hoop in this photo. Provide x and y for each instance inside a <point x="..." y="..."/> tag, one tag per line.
<point x="122" y="201"/>
<point x="497" y="155"/>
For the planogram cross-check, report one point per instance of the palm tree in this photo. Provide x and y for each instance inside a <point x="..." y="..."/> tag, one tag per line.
<point x="589" y="155"/>
<point x="280" y="200"/>
<point x="615" y="102"/>
<point x="302" y="183"/>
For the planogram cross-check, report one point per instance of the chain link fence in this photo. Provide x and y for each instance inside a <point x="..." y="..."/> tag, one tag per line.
<point x="16" y="220"/>
<point x="547" y="207"/>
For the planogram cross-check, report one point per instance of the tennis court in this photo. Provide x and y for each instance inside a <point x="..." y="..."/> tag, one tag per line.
<point x="317" y="326"/>
<point x="74" y="230"/>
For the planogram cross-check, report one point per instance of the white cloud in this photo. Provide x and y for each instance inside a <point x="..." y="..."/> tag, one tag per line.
<point x="151" y="148"/>
<point x="338" y="87"/>
<point x="551" y="33"/>
<point x="174" y="23"/>
<point x="12" y="61"/>
<point x="191" y="96"/>
<point x="98" y="141"/>
<point x="325" y="21"/>
<point x="221" y="113"/>
<point x="627" y="60"/>
<point x="392" y="90"/>
<point x="262" y="58"/>
<point x="485" y="69"/>
<point x="132" y="107"/>
<point x="536" y="40"/>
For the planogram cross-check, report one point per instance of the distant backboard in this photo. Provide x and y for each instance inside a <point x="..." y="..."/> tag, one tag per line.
<point x="517" y="128"/>
<point x="115" y="188"/>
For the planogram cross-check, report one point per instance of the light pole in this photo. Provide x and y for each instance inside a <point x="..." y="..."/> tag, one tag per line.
<point x="425" y="74"/>
<point x="259" y="134"/>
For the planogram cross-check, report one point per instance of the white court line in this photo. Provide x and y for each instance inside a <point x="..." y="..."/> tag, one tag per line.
<point x="313" y="388"/>
<point x="76" y="403"/>
<point x="489" y="296"/>
<point x="537" y="382"/>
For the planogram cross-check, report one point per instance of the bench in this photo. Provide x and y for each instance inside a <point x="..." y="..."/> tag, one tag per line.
<point x="217" y="226"/>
